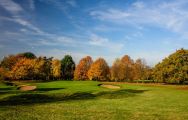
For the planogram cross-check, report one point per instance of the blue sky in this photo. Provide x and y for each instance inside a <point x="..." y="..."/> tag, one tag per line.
<point x="149" y="29"/>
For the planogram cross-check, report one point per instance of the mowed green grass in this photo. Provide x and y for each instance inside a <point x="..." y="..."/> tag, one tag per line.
<point x="85" y="100"/>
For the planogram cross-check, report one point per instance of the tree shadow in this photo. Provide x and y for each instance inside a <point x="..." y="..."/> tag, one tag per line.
<point x="38" y="98"/>
<point x="29" y="99"/>
<point x="47" y="89"/>
<point x="6" y="90"/>
<point x="119" y="94"/>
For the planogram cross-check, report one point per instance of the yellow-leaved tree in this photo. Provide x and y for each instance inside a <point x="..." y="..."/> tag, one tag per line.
<point x="99" y="70"/>
<point x="56" y="69"/>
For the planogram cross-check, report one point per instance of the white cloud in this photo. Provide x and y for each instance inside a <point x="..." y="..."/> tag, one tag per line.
<point x="67" y="40"/>
<point x="99" y="41"/>
<point x="111" y="14"/>
<point x="56" y="40"/>
<point x="17" y="13"/>
<point x="105" y="43"/>
<point x="27" y="24"/>
<point x="11" y="6"/>
<point x="169" y="15"/>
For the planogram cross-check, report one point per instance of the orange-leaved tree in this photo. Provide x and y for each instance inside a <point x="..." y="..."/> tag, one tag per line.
<point x="99" y="70"/>
<point x="82" y="68"/>
<point x="139" y="69"/>
<point x="115" y="70"/>
<point x="23" y="69"/>
<point x="127" y="68"/>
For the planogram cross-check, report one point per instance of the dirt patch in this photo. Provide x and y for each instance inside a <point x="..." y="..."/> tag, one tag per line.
<point x="110" y="86"/>
<point x="27" y="88"/>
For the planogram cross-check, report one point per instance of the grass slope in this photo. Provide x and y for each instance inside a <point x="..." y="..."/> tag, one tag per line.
<point x="84" y="100"/>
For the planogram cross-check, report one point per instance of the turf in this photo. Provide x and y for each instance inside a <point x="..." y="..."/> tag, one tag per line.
<point x="85" y="100"/>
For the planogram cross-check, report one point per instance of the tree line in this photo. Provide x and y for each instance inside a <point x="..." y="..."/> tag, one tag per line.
<point x="26" y="66"/>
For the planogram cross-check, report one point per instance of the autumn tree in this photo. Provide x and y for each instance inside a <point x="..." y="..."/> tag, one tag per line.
<point x="42" y="68"/>
<point x="148" y="73"/>
<point x="67" y="67"/>
<point x="56" y="68"/>
<point x="3" y="74"/>
<point x="173" y="69"/>
<point x="82" y="68"/>
<point x="23" y="69"/>
<point x="139" y="69"/>
<point x="99" y="70"/>
<point x="127" y="68"/>
<point x="9" y="61"/>
<point x="116" y="71"/>
<point x="38" y="68"/>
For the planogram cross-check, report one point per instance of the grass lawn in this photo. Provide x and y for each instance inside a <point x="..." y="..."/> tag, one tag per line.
<point x="85" y="100"/>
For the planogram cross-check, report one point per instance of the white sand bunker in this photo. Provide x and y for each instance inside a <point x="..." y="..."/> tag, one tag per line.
<point x="110" y="86"/>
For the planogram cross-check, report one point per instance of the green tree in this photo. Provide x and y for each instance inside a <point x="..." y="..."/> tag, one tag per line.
<point x="28" y="55"/>
<point x="173" y="69"/>
<point x="67" y="67"/>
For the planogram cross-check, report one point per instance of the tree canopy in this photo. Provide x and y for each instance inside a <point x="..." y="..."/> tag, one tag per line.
<point x="99" y="70"/>
<point x="173" y="69"/>
<point x="82" y="68"/>
<point x="26" y="66"/>
<point x="67" y="67"/>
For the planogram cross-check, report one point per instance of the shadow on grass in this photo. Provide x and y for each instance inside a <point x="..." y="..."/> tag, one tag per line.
<point x="47" y="89"/>
<point x="120" y="94"/>
<point x="26" y="99"/>
<point x="38" y="90"/>
<point x="29" y="99"/>
<point x="6" y="90"/>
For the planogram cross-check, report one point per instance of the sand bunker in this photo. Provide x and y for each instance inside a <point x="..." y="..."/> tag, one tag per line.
<point x="110" y="86"/>
<point x="27" y="88"/>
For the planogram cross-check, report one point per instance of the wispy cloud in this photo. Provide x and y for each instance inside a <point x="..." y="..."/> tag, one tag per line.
<point x="99" y="41"/>
<point x="110" y="30"/>
<point x="170" y="15"/>
<point x="17" y="13"/>
<point x="111" y="14"/>
<point x="56" y="40"/>
<point x="105" y="42"/>
<point x="11" y="6"/>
